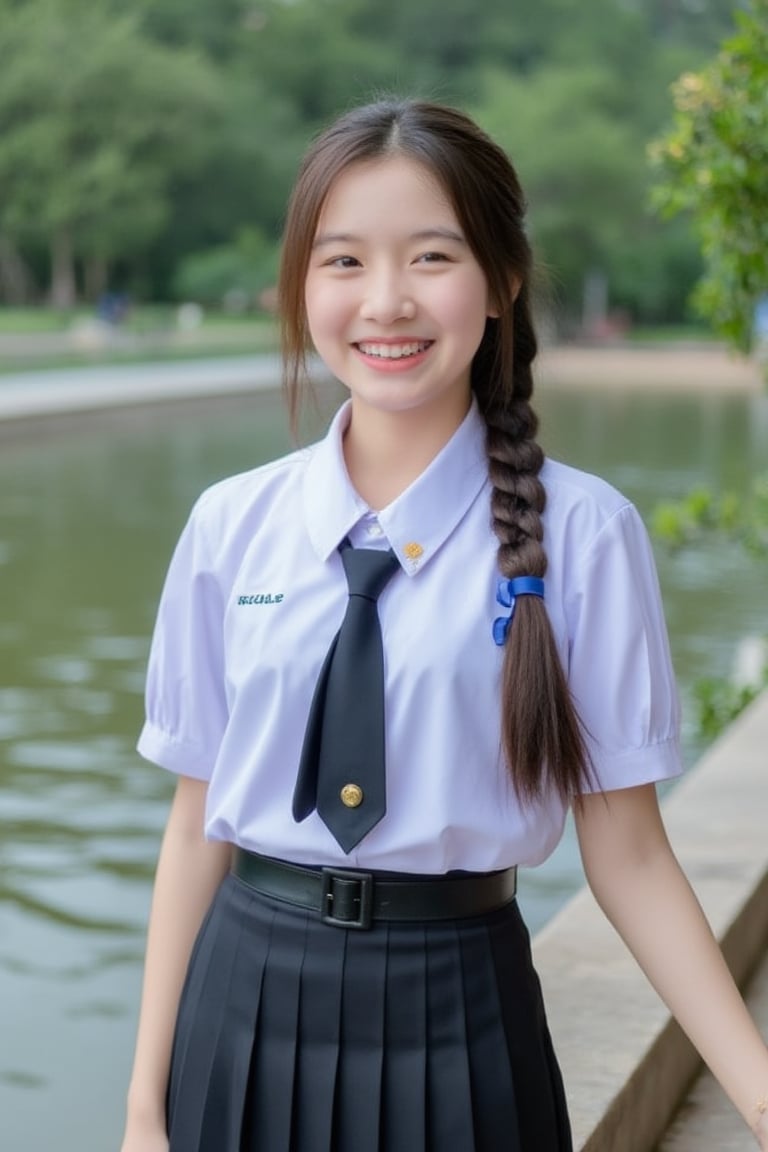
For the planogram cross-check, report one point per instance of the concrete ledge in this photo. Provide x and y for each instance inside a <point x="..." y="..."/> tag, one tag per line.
<point x="625" y="1062"/>
<point x="76" y="390"/>
<point x="707" y="1119"/>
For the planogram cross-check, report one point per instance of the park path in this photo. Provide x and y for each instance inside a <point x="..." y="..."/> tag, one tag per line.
<point x="56" y="392"/>
<point x="68" y="390"/>
<point x="683" y="366"/>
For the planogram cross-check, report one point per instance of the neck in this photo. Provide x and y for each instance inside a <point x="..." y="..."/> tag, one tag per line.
<point x="385" y="452"/>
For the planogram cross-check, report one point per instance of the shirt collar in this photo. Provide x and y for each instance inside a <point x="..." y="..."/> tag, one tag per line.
<point x="422" y="517"/>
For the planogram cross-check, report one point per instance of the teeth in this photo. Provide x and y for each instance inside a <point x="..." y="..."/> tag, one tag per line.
<point x="394" y="351"/>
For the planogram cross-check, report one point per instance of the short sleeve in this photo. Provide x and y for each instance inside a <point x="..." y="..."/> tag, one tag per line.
<point x="186" y="708"/>
<point x="619" y="668"/>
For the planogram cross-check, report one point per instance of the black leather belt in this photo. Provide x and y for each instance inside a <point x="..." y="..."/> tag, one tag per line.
<point x="352" y="899"/>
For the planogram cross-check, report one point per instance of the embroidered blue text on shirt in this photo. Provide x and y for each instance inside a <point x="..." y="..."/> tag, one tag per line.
<point x="261" y="598"/>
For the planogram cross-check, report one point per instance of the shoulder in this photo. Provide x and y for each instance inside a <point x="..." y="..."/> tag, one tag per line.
<point x="586" y="519"/>
<point x="243" y="500"/>
<point x="594" y="536"/>
<point x="254" y="483"/>
<point x="569" y="487"/>
<point x="578" y="502"/>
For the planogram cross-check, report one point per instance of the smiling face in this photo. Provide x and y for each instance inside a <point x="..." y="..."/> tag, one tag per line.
<point x="396" y="301"/>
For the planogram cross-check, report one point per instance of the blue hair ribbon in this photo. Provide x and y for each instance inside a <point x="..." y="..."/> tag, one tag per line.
<point x="506" y="594"/>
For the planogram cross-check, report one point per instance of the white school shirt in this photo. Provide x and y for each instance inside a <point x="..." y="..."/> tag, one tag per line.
<point x="256" y="592"/>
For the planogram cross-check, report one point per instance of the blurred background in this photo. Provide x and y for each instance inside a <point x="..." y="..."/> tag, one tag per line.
<point x="147" y="148"/>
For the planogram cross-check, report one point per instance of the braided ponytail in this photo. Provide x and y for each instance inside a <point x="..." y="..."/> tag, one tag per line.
<point x="541" y="732"/>
<point x="540" y="728"/>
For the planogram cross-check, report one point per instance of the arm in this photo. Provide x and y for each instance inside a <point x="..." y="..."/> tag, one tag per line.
<point x="189" y="871"/>
<point x="640" y="886"/>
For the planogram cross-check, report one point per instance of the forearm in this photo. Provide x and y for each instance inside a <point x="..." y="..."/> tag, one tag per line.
<point x="654" y="909"/>
<point x="188" y="873"/>
<point x="640" y="886"/>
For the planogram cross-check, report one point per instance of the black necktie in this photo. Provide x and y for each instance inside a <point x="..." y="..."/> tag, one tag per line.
<point x="342" y="771"/>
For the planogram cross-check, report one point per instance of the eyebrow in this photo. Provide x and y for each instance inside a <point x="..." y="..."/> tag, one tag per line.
<point x="325" y="238"/>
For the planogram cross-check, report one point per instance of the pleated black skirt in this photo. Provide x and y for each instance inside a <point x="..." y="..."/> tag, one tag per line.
<point x="298" y="1036"/>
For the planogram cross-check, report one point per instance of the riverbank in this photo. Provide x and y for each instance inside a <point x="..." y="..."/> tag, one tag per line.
<point x="57" y="393"/>
<point x="686" y="367"/>
<point x="30" y="395"/>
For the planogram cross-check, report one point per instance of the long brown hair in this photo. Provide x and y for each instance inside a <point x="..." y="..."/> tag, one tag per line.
<point x="541" y="733"/>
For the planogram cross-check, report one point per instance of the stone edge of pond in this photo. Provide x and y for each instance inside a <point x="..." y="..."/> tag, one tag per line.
<point x="29" y="401"/>
<point x="26" y="397"/>
<point x="74" y="392"/>
<point x="626" y="1064"/>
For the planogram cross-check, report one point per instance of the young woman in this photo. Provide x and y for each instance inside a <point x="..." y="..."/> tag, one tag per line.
<point x="362" y="980"/>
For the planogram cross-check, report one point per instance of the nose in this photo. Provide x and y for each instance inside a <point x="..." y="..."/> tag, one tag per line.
<point x="386" y="298"/>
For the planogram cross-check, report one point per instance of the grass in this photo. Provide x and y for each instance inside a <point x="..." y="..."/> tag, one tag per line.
<point x="148" y="334"/>
<point x="12" y="367"/>
<point x="141" y="318"/>
<point x="672" y="334"/>
<point x="30" y="320"/>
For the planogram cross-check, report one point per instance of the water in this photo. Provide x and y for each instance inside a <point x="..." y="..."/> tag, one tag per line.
<point x="87" y="520"/>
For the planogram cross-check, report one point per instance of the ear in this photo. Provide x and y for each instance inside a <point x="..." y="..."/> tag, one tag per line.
<point x="515" y="284"/>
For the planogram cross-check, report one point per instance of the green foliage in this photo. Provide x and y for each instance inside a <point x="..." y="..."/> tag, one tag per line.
<point x="701" y="513"/>
<point x="233" y="274"/>
<point x="699" y="516"/>
<point x="653" y="265"/>
<point x="586" y="185"/>
<point x="314" y="57"/>
<point x="95" y="121"/>
<point x="720" y="701"/>
<point x="212" y="26"/>
<point x="713" y="163"/>
<point x="136" y="134"/>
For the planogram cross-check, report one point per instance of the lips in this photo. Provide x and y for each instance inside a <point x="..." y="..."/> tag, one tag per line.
<point x="392" y="351"/>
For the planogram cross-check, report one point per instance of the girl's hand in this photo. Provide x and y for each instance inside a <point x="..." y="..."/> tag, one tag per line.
<point x="761" y="1131"/>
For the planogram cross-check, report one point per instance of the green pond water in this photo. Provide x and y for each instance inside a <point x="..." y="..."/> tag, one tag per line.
<point x="88" y="517"/>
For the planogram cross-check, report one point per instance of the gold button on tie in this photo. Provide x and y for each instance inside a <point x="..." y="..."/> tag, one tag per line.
<point x="351" y="795"/>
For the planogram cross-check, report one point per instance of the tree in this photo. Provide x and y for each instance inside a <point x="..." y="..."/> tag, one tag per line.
<point x="111" y="111"/>
<point x="581" y="160"/>
<point x="713" y="163"/>
<point x="311" y="54"/>
<point x="95" y="119"/>
<point x="212" y="26"/>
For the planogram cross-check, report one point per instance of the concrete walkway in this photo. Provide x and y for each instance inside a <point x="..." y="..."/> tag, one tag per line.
<point x="25" y="395"/>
